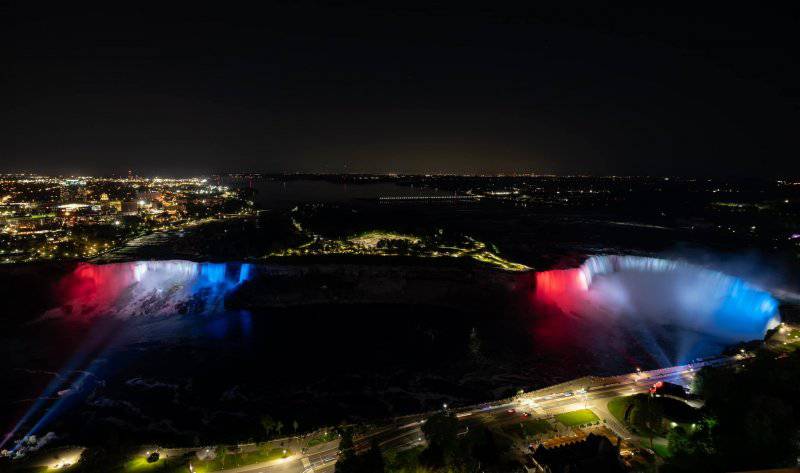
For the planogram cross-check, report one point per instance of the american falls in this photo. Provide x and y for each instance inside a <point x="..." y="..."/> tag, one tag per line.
<point x="147" y="288"/>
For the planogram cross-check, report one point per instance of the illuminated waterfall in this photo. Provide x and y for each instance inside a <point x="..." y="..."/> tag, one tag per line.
<point x="664" y="292"/>
<point x="148" y="288"/>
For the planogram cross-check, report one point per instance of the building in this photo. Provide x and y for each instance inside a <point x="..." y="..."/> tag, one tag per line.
<point x="72" y="191"/>
<point x="129" y="207"/>
<point x="594" y="454"/>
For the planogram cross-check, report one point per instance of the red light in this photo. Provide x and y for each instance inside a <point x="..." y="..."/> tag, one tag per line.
<point x="560" y="286"/>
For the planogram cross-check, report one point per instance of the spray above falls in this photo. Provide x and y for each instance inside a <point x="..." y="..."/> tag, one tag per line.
<point x="662" y="292"/>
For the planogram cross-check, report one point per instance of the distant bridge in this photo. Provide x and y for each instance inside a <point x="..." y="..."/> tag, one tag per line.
<point x="429" y="198"/>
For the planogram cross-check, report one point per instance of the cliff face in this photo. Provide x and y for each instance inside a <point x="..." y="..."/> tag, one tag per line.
<point x="145" y="288"/>
<point x="462" y="288"/>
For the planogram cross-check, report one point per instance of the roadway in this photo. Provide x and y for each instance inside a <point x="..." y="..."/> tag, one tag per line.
<point x="407" y="433"/>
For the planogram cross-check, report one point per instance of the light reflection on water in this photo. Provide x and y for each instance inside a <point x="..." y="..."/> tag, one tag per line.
<point x="171" y="325"/>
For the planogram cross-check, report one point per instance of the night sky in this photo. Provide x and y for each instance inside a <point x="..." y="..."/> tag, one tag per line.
<point x="388" y="87"/>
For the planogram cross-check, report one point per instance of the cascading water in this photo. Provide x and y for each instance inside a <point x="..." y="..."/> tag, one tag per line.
<point x="117" y="291"/>
<point x="148" y="288"/>
<point x="647" y="292"/>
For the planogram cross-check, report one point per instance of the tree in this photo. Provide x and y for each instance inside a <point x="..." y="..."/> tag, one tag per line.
<point x="373" y="459"/>
<point x="96" y="459"/>
<point x="751" y="414"/>
<point x="482" y="449"/>
<point x="278" y="427"/>
<point x="648" y="415"/>
<point x="295" y="426"/>
<point x="347" y="462"/>
<point x="346" y="445"/>
<point x="268" y="424"/>
<point x="441" y="432"/>
<point x="223" y="453"/>
<point x="692" y="450"/>
<point x="475" y="344"/>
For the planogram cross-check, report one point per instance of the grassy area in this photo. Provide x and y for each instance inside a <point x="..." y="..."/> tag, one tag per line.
<point x="528" y="428"/>
<point x="232" y="460"/>
<point x="322" y="438"/>
<point x="579" y="417"/>
<point x="162" y="465"/>
<point x="661" y="450"/>
<point x="370" y="239"/>
<point x="792" y="342"/>
<point x="536" y="426"/>
<point x="387" y="244"/>
<point x="406" y="461"/>
<point x="495" y="260"/>
<point x="618" y="406"/>
<point x="673" y="409"/>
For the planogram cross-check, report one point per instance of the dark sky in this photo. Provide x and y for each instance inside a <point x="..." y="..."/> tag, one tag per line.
<point x="380" y="87"/>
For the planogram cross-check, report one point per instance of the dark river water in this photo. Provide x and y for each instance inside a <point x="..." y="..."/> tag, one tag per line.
<point x="276" y="194"/>
<point x="148" y="351"/>
<point x="165" y="361"/>
<point x="212" y="376"/>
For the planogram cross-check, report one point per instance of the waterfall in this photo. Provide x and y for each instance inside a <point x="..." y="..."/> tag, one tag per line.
<point x="661" y="291"/>
<point x="147" y="288"/>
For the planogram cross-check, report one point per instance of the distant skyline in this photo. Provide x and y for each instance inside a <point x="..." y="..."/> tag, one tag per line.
<point x="307" y="86"/>
<point x="120" y="175"/>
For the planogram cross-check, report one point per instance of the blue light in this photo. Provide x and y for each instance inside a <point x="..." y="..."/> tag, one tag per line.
<point x="745" y="310"/>
<point x="702" y="309"/>
<point x="178" y="281"/>
<point x="244" y="272"/>
<point x="212" y="273"/>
